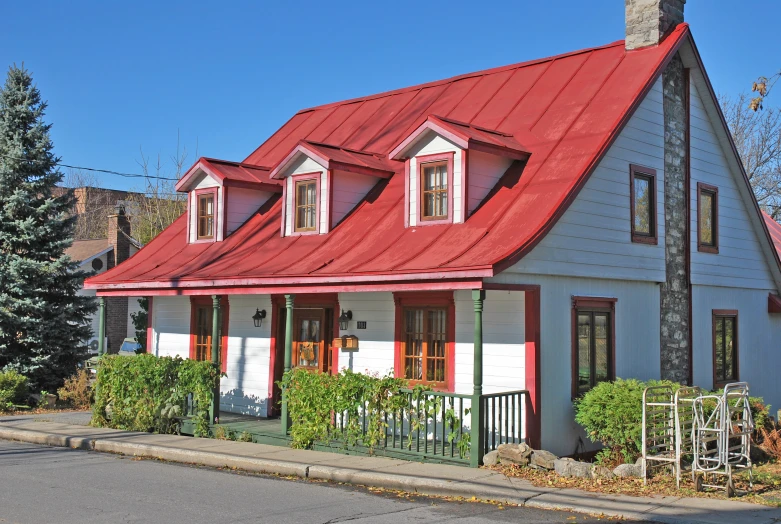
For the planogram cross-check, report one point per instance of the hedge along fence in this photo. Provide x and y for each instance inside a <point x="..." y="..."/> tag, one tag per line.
<point x="612" y="414"/>
<point x="147" y="393"/>
<point x="319" y="403"/>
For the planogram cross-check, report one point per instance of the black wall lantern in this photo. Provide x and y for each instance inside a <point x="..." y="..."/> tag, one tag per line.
<point x="258" y="317"/>
<point x="344" y="319"/>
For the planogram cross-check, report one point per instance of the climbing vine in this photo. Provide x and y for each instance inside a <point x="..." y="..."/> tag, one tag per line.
<point x="148" y="393"/>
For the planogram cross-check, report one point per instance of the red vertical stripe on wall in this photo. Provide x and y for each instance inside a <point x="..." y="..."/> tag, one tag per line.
<point x="532" y="350"/>
<point x="150" y="336"/>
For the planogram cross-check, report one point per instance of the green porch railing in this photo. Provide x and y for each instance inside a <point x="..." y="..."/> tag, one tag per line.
<point x="435" y="425"/>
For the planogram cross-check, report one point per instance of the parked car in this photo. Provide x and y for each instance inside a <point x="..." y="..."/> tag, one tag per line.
<point x="129" y="348"/>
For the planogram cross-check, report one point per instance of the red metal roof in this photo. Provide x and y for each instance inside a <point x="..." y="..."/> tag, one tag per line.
<point x="335" y="157"/>
<point x="565" y="110"/>
<point x="774" y="228"/>
<point x="466" y="136"/>
<point x="228" y="173"/>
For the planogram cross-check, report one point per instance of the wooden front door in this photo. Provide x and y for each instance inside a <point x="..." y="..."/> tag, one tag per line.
<point x="309" y="339"/>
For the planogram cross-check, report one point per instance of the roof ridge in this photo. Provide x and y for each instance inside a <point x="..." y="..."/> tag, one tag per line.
<point x="241" y="164"/>
<point x="435" y="83"/>
<point x="348" y="149"/>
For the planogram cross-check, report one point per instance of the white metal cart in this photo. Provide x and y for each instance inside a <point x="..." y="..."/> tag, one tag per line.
<point x="721" y="439"/>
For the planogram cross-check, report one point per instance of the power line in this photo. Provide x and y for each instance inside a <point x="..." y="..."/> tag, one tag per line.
<point x="128" y="175"/>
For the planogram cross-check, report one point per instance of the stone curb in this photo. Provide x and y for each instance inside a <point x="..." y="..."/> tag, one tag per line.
<point x="544" y="499"/>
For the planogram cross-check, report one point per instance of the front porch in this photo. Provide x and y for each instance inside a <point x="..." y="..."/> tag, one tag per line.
<point x="482" y="357"/>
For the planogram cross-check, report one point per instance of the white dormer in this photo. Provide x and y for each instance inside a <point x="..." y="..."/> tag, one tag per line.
<point x="450" y="167"/>
<point x="323" y="183"/>
<point x="221" y="196"/>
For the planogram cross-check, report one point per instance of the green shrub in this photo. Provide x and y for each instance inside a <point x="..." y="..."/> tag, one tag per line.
<point x="147" y="393"/>
<point x="13" y="389"/>
<point x="612" y="413"/>
<point x="313" y="397"/>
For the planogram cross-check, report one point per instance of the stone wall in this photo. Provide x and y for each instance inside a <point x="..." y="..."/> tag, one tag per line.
<point x="647" y="21"/>
<point x="675" y="292"/>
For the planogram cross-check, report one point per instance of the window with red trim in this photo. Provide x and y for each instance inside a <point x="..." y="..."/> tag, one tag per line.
<point x="593" y="342"/>
<point x="202" y="311"/>
<point x="425" y="334"/>
<point x="305" y="205"/>
<point x="433" y="190"/>
<point x="707" y="218"/>
<point x="205" y="226"/>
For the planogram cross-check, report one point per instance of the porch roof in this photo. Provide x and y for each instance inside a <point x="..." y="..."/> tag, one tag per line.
<point x="565" y="111"/>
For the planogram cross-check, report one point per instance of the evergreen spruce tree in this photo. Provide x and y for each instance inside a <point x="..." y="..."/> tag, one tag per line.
<point x="44" y="323"/>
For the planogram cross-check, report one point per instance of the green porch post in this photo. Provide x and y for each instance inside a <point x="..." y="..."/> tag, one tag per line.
<point x="478" y="429"/>
<point x="102" y="326"/>
<point x="289" y="300"/>
<point x="215" y="407"/>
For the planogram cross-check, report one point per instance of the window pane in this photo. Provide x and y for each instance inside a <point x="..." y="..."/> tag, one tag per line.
<point x="435" y="361"/>
<point x="729" y="349"/>
<point x="309" y="343"/>
<point x="601" y="346"/>
<point x="719" y="344"/>
<point x="311" y="193"/>
<point x="584" y="353"/>
<point x="413" y="345"/>
<point x="643" y="218"/>
<point x="428" y="205"/>
<point x="434" y="186"/>
<point x="706" y="218"/>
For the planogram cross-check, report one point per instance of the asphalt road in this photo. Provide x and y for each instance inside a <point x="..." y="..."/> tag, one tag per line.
<point x="41" y="484"/>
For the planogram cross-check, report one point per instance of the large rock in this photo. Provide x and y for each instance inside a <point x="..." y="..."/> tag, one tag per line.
<point x="542" y="459"/>
<point x="514" y="453"/>
<point x="567" y="467"/>
<point x="491" y="458"/>
<point x="602" y="472"/>
<point x="628" y="470"/>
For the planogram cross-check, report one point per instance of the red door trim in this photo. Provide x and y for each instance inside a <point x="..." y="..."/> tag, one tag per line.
<point x="150" y="328"/>
<point x="533" y="374"/>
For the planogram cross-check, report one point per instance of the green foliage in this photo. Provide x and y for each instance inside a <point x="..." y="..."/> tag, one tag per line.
<point x="77" y="390"/>
<point x="313" y="397"/>
<point x="147" y="393"/>
<point x="13" y="389"/>
<point x="140" y="323"/>
<point x="612" y="413"/>
<point x="44" y="322"/>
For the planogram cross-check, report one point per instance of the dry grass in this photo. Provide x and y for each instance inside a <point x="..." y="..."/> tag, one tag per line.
<point x="767" y="484"/>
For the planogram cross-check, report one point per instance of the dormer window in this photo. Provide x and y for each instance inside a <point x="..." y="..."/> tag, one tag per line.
<point x="439" y="156"/>
<point x="306" y="205"/>
<point x="323" y="184"/>
<point x="435" y="186"/>
<point x="205" y="216"/>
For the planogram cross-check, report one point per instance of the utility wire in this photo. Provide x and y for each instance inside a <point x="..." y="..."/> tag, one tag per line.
<point x="128" y="175"/>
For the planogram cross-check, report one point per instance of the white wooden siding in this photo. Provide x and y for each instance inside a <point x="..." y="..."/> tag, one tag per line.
<point x="740" y="261"/>
<point x="302" y="165"/>
<point x="171" y="327"/>
<point x="376" y="342"/>
<point x="349" y="189"/>
<point x="593" y="237"/>
<point x="431" y="144"/>
<point x="241" y="204"/>
<point x="244" y="389"/>
<point x="636" y="351"/>
<point x="485" y="170"/>
<point x="759" y="338"/>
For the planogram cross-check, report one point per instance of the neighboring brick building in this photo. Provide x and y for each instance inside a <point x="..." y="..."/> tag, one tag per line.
<point x="100" y="255"/>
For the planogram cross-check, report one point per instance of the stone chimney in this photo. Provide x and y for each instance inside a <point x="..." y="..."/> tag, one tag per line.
<point x="648" y="21"/>
<point x="118" y="236"/>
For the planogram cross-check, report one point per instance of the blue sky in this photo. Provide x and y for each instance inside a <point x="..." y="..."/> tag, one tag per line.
<point x="120" y="78"/>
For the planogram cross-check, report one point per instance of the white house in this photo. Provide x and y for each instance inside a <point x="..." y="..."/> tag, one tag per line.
<point x="589" y="209"/>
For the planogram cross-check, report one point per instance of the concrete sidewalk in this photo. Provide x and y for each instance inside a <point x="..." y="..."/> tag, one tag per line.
<point x="427" y="479"/>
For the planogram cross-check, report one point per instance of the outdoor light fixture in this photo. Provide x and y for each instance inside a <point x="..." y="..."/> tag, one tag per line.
<point x="345" y="318"/>
<point x="258" y="317"/>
